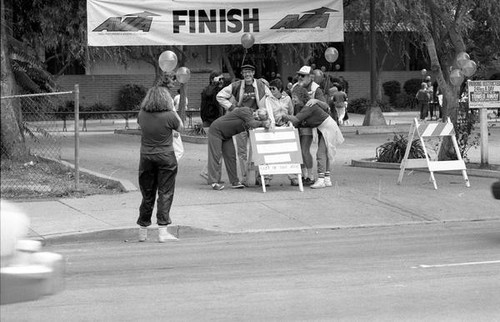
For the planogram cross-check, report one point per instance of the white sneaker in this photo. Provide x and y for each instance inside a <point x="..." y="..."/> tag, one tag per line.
<point x="143" y="233"/>
<point x="164" y="235"/>
<point x="328" y="182"/>
<point x="319" y="184"/>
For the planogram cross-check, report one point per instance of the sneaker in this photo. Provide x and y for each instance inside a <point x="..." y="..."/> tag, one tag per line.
<point x="217" y="186"/>
<point x="308" y="181"/>
<point x="143" y="233"/>
<point x="164" y="235"/>
<point x="237" y="185"/>
<point x="319" y="184"/>
<point x="328" y="182"/>
<point x="294" y="182"/>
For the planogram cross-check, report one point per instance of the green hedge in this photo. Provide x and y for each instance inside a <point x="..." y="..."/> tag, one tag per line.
<point x="392" y="89"/>
<point x="130" y="97"/>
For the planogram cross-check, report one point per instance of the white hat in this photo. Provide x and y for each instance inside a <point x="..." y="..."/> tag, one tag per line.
<point x="305" y="70"/>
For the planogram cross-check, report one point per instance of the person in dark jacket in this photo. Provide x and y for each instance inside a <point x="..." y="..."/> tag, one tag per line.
<point x="210" y="110"/>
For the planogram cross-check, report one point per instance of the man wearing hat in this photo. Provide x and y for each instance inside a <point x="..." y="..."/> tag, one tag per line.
<point x="316" y="95"/>
<point x="249" y="92"/>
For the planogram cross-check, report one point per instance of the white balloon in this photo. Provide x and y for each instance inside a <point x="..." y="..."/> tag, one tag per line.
<point x="331" y="54"/>
<point x="469" y="68"/>
<point x="183" y="75"/>
<point x="462" y="59"/>
<point x="167" y="61"/>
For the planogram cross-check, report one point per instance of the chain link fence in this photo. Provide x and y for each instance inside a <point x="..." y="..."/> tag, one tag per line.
<point x="30" y="153"/>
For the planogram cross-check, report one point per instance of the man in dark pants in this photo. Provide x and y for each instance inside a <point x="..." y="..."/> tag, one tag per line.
<point x="220" y="143"/>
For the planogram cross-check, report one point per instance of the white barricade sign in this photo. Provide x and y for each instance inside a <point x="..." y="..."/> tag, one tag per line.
<point x="432" y="129"/>
<point x="276" y="152"/>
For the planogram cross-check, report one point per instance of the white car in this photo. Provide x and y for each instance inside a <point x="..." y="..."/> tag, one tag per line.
<point x="26" y="272"/>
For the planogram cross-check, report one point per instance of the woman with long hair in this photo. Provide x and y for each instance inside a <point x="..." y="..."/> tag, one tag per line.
<point x="158" y="164"/>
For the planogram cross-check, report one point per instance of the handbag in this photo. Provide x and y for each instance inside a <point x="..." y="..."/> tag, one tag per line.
<point x="177" y="143"/>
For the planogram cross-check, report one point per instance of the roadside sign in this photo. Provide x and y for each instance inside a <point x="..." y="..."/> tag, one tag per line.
<point x="276" y="152"/>
<point x="484" y="94"/>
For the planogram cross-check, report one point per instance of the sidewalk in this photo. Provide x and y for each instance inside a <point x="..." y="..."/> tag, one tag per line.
<point x="360" y="197"/>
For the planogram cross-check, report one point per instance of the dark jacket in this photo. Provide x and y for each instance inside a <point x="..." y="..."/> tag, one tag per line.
<point x="210" y="110"/>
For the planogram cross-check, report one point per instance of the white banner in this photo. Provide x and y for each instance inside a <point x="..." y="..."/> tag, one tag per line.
<point x="207" y="22"/>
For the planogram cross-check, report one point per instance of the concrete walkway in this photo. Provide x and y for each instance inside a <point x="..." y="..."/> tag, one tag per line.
<point x="360" y="197"/>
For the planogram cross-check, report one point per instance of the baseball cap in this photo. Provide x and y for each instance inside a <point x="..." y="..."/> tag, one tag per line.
<point x="305" y="70"/>
<point x="247" y="66"/>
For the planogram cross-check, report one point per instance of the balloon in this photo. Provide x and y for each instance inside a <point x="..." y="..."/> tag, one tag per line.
<point x="337" y="67"/>
<point x="423" y="72"/>
<point x="167" y="61"/>
<point x="456" y="77"/>
<point x="469" y="68"/>
<point x="183" y="75"/>
<point x="462" y="58"/>
<point x="331" y="54"/>
<point x="247" y="40"/>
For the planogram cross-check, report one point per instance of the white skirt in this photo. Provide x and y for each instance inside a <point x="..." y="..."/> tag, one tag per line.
<point x="333" y="137"/>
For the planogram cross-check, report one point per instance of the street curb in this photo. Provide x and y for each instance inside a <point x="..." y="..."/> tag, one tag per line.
<point x="382" y="129"/>
<point x="124" y="185"/>
<point x="126" y="234"/>
<point x="129" y="234"/>
<point x="370" y="163"/>
<point x="355" y="129"/>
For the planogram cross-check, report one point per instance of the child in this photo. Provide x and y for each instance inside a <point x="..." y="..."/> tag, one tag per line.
<point x="423" y="98"/>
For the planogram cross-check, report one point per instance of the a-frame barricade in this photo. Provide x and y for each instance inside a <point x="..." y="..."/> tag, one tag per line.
<point x="432" y="129"/>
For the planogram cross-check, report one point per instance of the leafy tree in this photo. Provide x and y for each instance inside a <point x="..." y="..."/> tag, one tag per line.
<point x="445" y="28"/>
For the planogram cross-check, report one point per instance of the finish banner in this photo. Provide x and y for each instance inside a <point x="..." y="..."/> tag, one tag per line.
<point x="208" y="22"/>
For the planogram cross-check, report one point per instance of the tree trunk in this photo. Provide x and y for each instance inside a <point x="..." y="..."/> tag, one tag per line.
<point x="13" y="146"/>
<point x="450" y="98"/>
<point x="228" y="64"/>
<point x="374" y="117"/>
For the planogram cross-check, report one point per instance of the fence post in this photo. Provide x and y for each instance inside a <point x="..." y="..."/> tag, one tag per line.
<point x="77" y="137"/>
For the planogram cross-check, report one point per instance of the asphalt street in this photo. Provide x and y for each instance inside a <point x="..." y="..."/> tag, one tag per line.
<point x="434" y="272"/>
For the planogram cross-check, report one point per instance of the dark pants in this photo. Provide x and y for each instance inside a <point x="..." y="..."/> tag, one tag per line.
<point x="424" y="109"/>
<point x="435" y="109"/>
<point x="217" y="148"/>
<point x="157" y="174"/>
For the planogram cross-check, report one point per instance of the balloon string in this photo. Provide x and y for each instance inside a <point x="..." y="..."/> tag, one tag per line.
<point x="244" y="55"/>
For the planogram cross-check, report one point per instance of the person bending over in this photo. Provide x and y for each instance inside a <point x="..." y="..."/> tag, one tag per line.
<point x="329" y="134"/>
<point x="220" y="143"/>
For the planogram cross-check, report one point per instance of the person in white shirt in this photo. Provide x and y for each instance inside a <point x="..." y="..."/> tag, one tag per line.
<point x="177" y="101"/>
